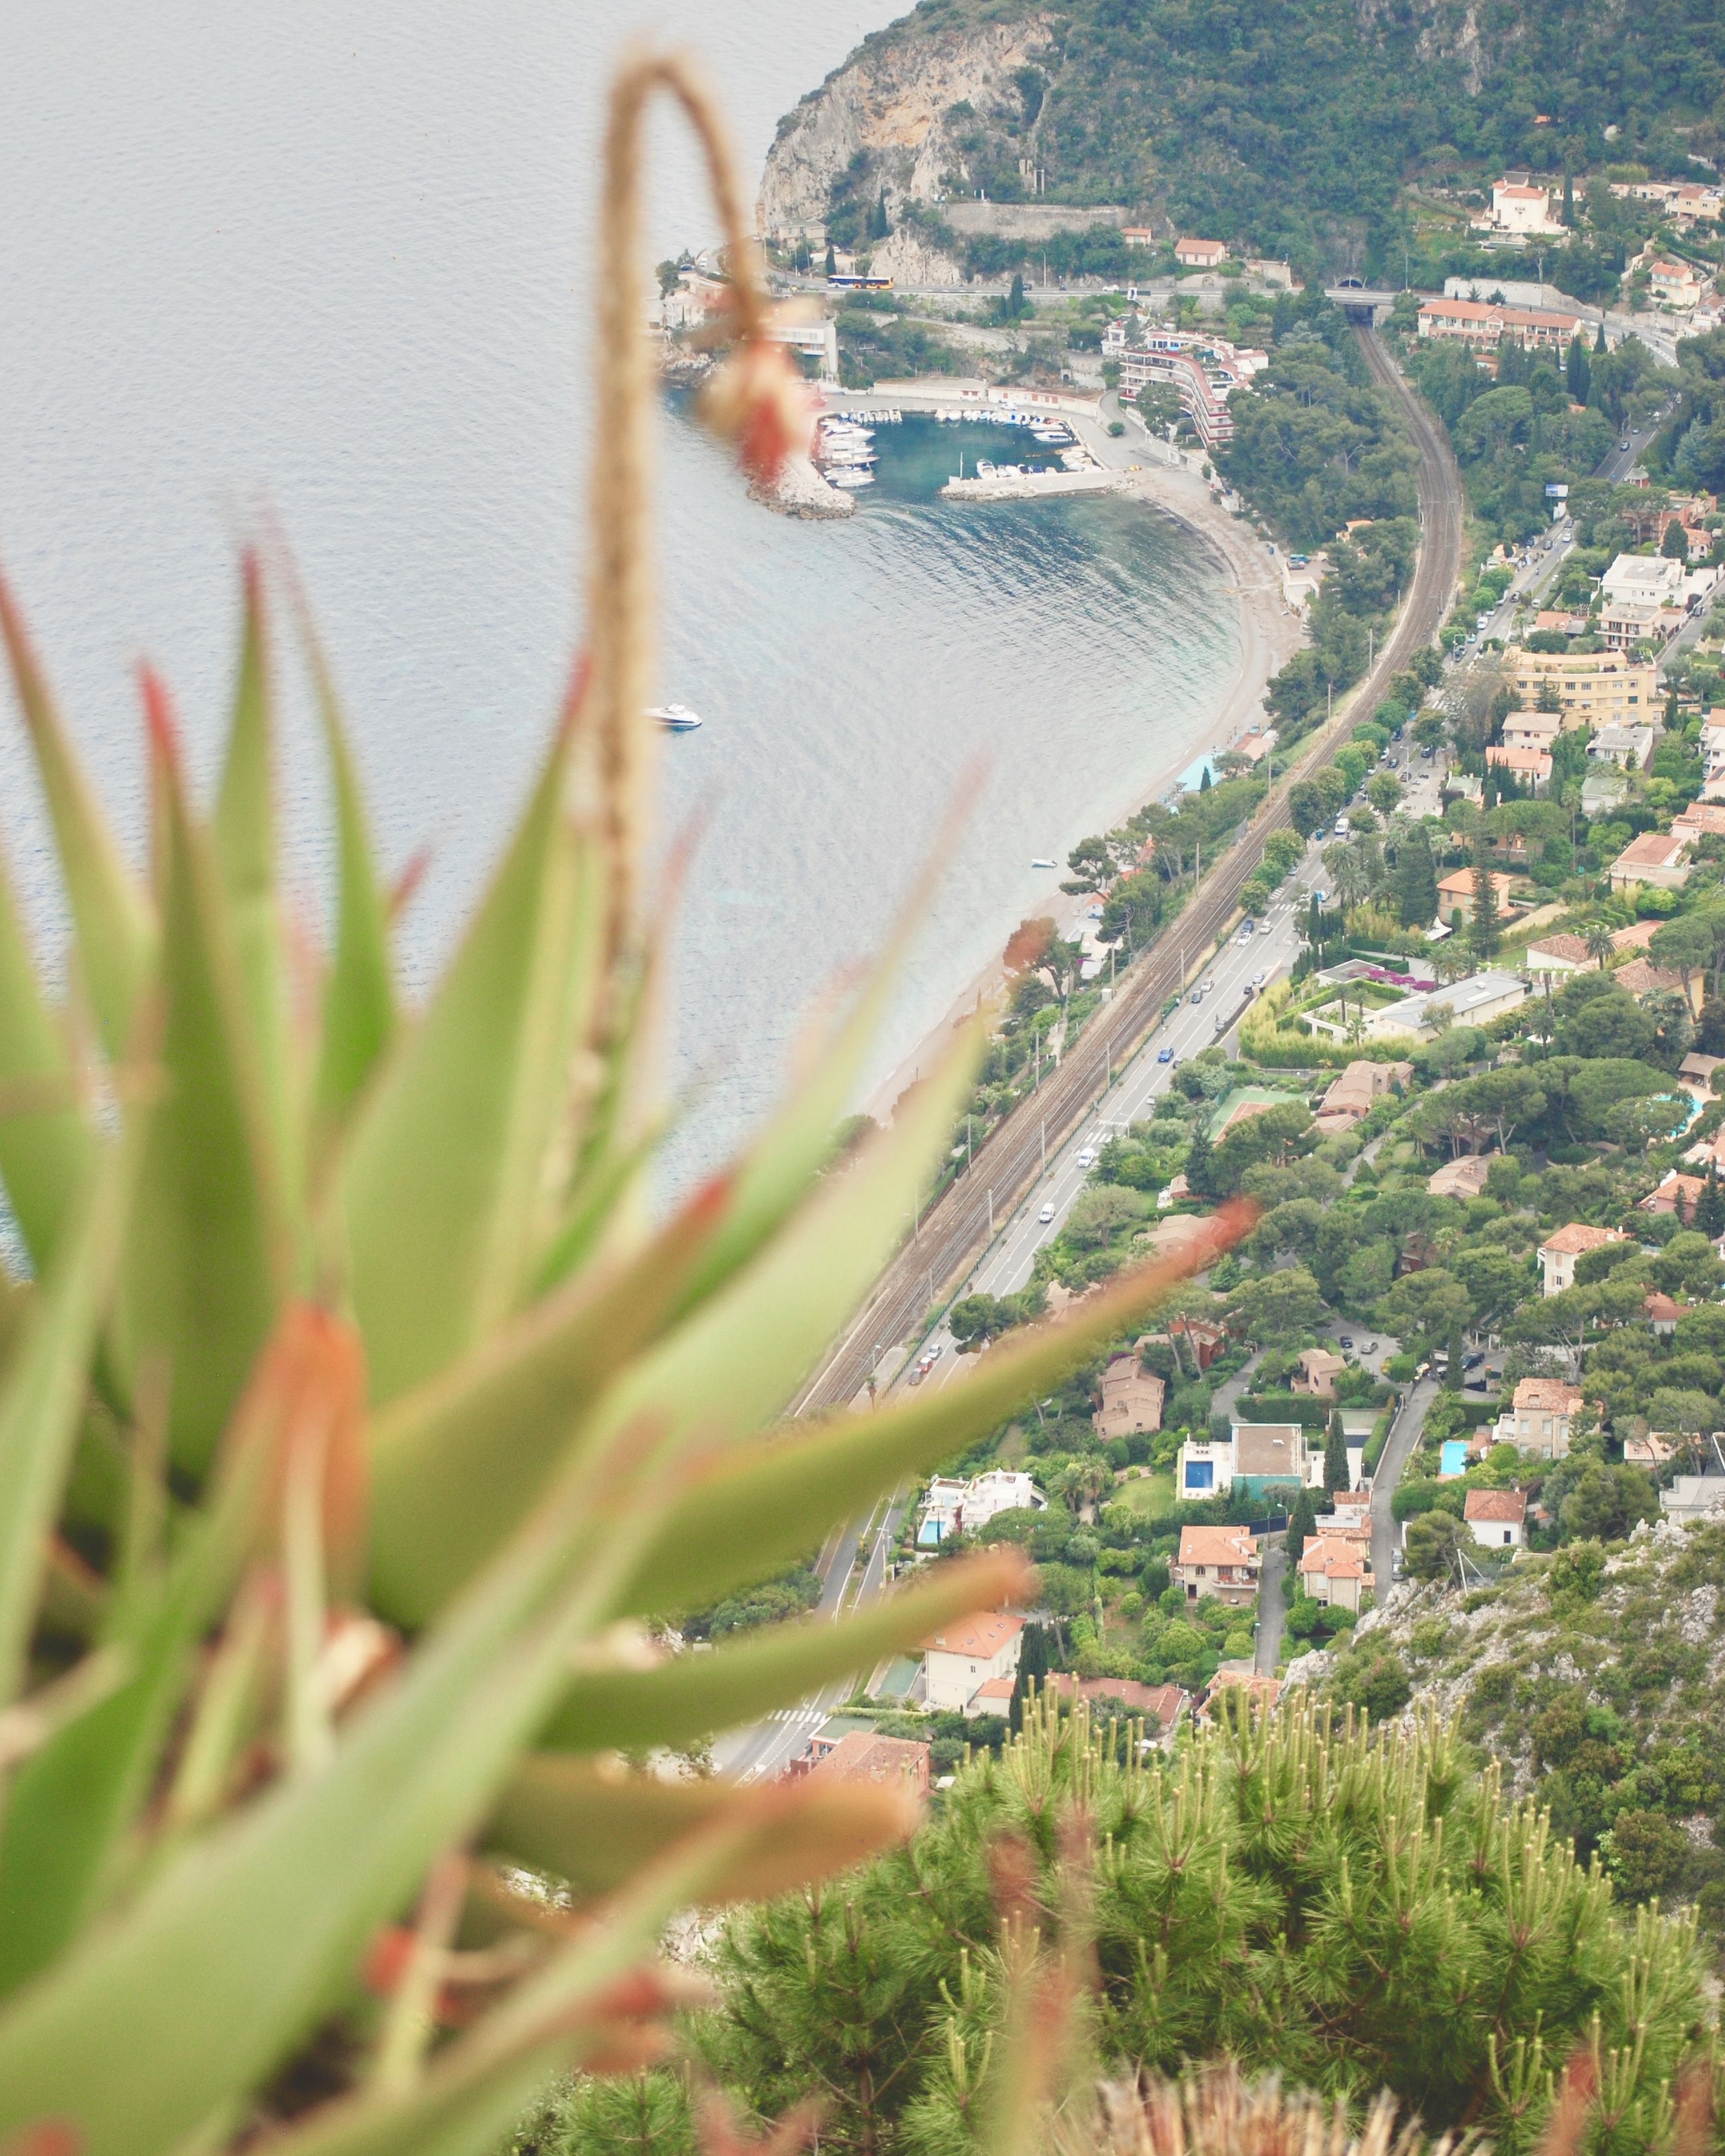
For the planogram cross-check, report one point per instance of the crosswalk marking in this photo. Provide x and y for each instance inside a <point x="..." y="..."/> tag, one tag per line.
<point x="797" y="1714"/>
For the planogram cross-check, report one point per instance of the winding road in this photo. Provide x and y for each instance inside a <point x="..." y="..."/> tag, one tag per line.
<point x="961" y="1223"/>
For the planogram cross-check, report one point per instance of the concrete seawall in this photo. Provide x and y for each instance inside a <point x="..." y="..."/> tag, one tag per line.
<point x="1029" y="486"/>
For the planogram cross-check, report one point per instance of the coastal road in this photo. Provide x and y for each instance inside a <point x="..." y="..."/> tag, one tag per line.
<point x="959" y="1226"/>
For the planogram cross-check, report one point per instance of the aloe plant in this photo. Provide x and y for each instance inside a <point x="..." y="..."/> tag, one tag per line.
<point x="357" y="1421"/>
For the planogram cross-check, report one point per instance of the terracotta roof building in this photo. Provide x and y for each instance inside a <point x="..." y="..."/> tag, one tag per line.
<point x="964" y="1656"/>
<point x="1678" y="1193"/>
<point x="1558" y="1253"/>
<point x="1497" y="1517"/>
<point x="1534" y="763"/>
<point x="1318" y="1371"/>
<point x="1652" y="859"/>
<point x="1538" y="1418"/>
<point x="1554" y="955"/>
<point x="1166" y="1701"/>
<point x="1219" y="1561"/>
<point x="1463" y="1178"/>
<point x="1335" y="1572"/>
<point x="860" y="1756"/>
<point x="1132" y="1399"/>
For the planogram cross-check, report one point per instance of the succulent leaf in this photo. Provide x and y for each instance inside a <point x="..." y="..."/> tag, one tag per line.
<point x="690" y="1697"/>
<point x="113" y="917"/>
<point x="46" y="1145"/>
<point x="460" y="1460"/>
<point x="442" y="1188"/>
<point x="594" y="1827"/>
<point x="209" y="1256"/>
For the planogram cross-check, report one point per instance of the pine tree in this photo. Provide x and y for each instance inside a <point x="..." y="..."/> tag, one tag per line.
<point x="1302" y="1521"/>
<point x="1710" y="1206"/>
<point x="1337" y="1474"/>
<point x="1278" y="1889"/>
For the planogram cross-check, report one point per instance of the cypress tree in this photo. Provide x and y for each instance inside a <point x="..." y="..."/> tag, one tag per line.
<point x="1416" y="894"/>
<point x="1336" y="1475"/>
<point x="1032" y="1670"/>
<point x="1710" y="1206"/>
<point x="832" y="261"/>
<point x="1599" y="340"/>
<point x="1569" y="198"/>
<point x="1485" y="929"/>
<point x="1201" y="1166"/>
<point x="1204" y="783"/>
<point x="1579" y="375"/>
<point x="1302" y="1521"/>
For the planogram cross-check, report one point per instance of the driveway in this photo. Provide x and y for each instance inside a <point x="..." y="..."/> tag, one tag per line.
<point x="1272" y="1606"/>
<point x="1404" y="1437"/>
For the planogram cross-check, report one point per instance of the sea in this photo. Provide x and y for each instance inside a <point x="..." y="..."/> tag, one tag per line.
<point x="328" y="269"/>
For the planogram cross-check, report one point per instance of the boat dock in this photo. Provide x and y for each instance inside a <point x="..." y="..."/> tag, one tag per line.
<point x="1030" y="485"/>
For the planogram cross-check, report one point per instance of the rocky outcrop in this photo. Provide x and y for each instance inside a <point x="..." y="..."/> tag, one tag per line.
<point x="800" y="491"/>
<point x="892" y="100"/>
<point x="905" y="256"/>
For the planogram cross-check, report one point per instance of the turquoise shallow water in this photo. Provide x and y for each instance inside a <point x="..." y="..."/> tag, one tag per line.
<point x="336" y="260"/>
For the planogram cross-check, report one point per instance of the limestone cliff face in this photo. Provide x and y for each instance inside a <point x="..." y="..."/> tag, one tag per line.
<point x="890" y="100"/>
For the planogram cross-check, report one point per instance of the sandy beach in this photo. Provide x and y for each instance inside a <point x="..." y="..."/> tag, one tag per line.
<point x="1270" y="633"/>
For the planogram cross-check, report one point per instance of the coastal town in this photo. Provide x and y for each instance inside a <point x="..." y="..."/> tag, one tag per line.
<point x="1469" y="1083"/>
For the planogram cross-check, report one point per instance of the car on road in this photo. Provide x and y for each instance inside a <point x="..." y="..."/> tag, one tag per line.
<point x="1343" y="1341"/>
<point x="1197" y="994"/>
<point x="1086" y="1157"/>
<point x="1046" y="1216"/>
<point x="1623" y="445"/>
<point x="1259" y="979"/>
<point x="1221" y="1021"/>
<point x="1164" y="1055"/>
<point x="925" y="1364"/>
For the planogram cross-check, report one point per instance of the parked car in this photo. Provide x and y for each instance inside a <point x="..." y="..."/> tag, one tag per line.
<point x="1046" y="1216"/>
<point x="1197" y="995"/>
<point x="1343" y="1341"/>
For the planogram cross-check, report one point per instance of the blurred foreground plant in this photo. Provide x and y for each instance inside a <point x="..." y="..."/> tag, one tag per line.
<point x="353" y="1425"/>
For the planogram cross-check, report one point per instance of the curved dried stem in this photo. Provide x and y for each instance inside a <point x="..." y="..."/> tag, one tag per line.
<point x="619" y="591"/>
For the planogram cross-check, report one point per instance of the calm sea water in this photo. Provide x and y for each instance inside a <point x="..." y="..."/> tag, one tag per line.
<point x="336" y="260"/>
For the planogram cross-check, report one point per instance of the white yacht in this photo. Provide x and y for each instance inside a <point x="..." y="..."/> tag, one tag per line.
<point x="678" y="717"/>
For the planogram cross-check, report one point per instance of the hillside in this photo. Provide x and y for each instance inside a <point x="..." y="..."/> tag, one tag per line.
<point x="1287" y="126"/>
<point x="1596" y="1677"/>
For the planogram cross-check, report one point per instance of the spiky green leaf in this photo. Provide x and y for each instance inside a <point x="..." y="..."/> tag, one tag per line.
<point x="46" y="1144"/>
<point x="113" y="918"/>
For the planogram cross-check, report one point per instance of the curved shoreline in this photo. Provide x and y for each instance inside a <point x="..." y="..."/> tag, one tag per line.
<point x="1270" y="633"/>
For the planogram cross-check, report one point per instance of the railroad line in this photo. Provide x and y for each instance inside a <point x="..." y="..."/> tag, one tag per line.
<point x="956" y="1228"/>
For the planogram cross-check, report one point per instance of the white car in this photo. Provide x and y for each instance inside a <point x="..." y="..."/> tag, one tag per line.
<point x="1087" y="1158"/>
<point x="1259" y="979"/>
<point x="1046" y="1216"/>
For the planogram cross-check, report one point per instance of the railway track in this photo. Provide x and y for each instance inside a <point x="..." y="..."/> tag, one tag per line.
<point x="955" y="1230"/>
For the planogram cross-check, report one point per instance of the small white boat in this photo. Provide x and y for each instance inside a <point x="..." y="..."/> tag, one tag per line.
<point x="1039" y="863"/>
<point x="678" y="717"/>
<point x="850" y="475"/>
<point x="985" y="468"/>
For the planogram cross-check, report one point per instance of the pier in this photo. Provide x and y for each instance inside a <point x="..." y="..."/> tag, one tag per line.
<point x="1028" y="486"/>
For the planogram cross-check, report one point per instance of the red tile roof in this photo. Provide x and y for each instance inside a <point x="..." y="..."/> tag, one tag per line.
<point x="1509" y="1506"/>
<point x="981" y="1636"/>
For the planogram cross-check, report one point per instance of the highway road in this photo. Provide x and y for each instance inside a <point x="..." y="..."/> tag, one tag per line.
<point x="959" y="1226"/>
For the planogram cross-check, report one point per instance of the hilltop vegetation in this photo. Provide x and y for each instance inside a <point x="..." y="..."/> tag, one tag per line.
<point x="1597" y="1679"/>
<point x="1279" y="1893"/>
<point x="1291" y="128"/>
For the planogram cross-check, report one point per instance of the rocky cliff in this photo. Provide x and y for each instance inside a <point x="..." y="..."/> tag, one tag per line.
<point x="892" y="104"/>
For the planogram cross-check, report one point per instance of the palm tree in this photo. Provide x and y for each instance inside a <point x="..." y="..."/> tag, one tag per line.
<point x="1597" y="936"/>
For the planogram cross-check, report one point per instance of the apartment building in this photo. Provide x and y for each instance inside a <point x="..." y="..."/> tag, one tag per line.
<point x="1596" y="688"/>
<point x="1483" y="326"/>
